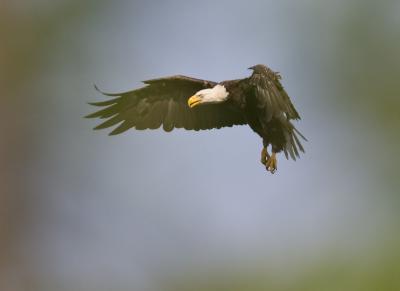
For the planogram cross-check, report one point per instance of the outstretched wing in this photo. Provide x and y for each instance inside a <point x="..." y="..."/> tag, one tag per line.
<point x="271" y="96"/>
<point x="164" y="102"/>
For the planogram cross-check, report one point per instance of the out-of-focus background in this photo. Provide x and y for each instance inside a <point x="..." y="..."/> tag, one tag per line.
<point x="80" y="210"/>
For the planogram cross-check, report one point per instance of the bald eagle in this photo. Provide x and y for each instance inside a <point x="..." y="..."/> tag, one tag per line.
<point x="194" y="104"/>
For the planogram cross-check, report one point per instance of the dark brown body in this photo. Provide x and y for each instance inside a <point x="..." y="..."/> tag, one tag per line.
<point x="267" y="109"/>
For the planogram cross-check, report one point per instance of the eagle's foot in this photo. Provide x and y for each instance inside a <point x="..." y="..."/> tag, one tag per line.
<point x="272" y="164"/>
<point x="264" y="156"/>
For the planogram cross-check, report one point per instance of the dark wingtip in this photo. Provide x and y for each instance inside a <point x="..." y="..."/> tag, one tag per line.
<point x="91" y="115"/>
<point x="98" y="89"/>
<point x="105" y="93"/>
<point x="98" y="127"/>
<point x="116" y="131"/>
<point x="104" y="103"/>
<point x="299" y="133"/>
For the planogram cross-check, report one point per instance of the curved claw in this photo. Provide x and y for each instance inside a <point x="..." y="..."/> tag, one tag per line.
<point x="272" y="164"/>
<point x="264" y="156"/>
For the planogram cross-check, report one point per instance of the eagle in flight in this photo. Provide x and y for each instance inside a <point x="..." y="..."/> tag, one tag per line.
<point x="194" y="104"/>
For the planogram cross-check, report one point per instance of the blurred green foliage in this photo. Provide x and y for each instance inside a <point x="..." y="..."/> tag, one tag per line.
<point x="369" y="273"/>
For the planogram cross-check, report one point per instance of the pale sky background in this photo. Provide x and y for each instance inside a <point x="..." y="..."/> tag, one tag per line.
<point x="108" y="213"/>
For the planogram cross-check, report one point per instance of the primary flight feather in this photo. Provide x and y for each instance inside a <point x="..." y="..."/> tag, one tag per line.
<point x="194" y="104"/>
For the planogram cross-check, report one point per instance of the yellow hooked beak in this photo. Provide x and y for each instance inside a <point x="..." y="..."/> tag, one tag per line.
<point x="193" y="101"/>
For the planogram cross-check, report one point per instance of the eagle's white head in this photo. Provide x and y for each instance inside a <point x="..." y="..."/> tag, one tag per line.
<point x="216" y="94"/>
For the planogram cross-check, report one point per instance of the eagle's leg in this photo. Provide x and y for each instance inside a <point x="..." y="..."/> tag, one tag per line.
<point x="272" y="163"/>
<point x="264" y="156"/>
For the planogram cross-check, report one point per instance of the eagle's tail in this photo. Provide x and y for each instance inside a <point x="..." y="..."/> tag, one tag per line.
<point x="293" y="145"/>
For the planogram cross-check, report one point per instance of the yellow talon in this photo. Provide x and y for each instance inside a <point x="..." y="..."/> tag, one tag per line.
<point x="264" y="156"/>
<point x="272" y="163"/>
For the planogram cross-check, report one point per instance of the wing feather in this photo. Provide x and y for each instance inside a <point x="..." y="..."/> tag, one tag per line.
<point x="163" y="102"/>
<point x="293" y="145"/>
<point x="271" y="96"/>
